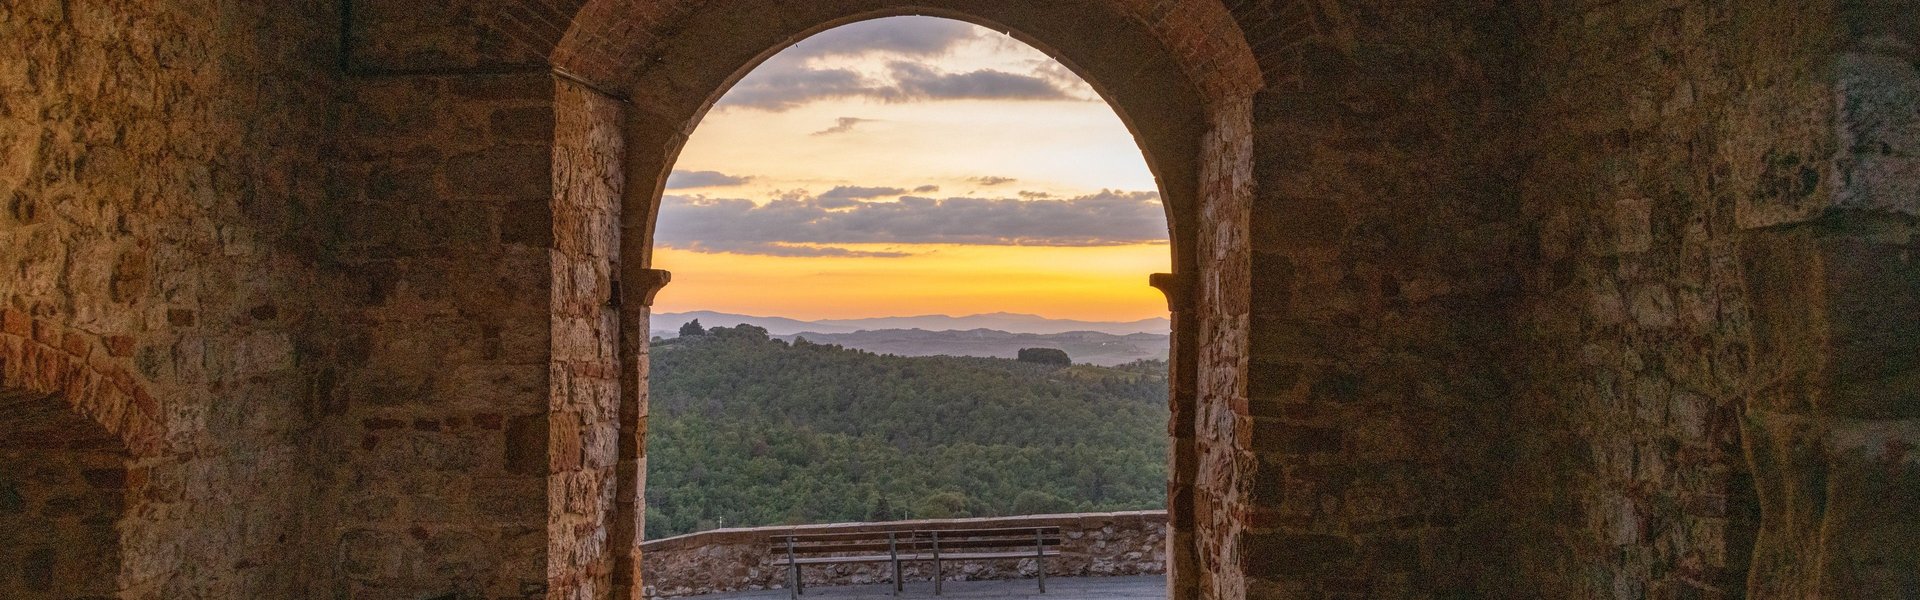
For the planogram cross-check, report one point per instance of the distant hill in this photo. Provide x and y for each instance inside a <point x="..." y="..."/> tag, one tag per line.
<point x="1083" y="346"/>
<point x="1010" y="322"/>
<point x="668" y="324"/>
<point x="745" y="430"/>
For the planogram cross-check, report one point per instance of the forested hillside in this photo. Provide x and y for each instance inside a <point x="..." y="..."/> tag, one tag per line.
<point x="1089" y="347"/>
<point x="745" y="430"/>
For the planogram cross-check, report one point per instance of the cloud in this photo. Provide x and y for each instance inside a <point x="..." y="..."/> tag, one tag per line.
<point x="909" y="47"/>
<point x="926" y="189"/>
<point x="680" y="180"/>
<point x="991" y="180"/>
<point x="778" y="88"/>
<point x="1060" y="75"/>
<point x="915" y="81"/>
<point x="909" y="36"/>
<point x="843" y="125"/>
<point x="1030" y="195"/>
<point x="800" y="226"/>
<point x="854" y="192"/>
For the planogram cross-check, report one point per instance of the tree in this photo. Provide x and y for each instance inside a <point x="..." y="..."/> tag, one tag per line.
<point x="692" y="329"/>
<point x="943" y="505"/>
<point x="1045" y="356"/>
<point x="742" y="331"/>
<point x="1036" y="502"/>
<point x="879" y="509"/>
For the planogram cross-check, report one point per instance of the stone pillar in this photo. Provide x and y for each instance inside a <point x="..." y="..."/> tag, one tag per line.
<point x="1223" y="429"/>
<point x="586" y="403"/>
<point x="1833" y="274"/>
<point x="653" y="142"/>
<point x="630" y="514"/>
<point x="1182" y="554"/>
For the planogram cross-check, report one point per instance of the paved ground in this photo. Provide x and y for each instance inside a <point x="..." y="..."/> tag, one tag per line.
<point x="1058" y="588"/>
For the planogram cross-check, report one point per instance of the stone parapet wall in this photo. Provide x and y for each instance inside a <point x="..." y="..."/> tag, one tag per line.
<point x="725" y="560"/>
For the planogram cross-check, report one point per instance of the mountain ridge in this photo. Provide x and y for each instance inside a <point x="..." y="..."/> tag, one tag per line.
<point x="1090" y="347"/>
<point x="668" y="324"/>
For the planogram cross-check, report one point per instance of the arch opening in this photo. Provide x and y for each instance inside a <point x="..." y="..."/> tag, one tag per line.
<point x="979" y="178"/>
<point x="1185" y="99"/>
<point x="63" y="492"/>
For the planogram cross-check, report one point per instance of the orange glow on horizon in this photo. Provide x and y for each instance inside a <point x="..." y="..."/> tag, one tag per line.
<point x="1105" y="283"/>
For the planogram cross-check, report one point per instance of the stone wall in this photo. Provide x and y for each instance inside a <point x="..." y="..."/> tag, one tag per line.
<point x="1478" y="299"/>
<point x="439" y="462"/>
<point x="724" y="560"/>
<point x="397" y="37"/>
<point x="585" y="405"/>
<point x="1384" y="242"/>
<point x="161" y="236"/>
<point x="1708" y="251"/>
<point x="1632" y="474"/>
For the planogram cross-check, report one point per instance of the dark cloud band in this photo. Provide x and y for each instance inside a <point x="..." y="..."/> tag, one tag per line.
<point x="856" y="192"/>
<point x="793" y="226"/>
<point x="843" y="125"/>
<point x="910" y="45"/>
<point x="910" y="36"/>
<point x="681" y="180"/>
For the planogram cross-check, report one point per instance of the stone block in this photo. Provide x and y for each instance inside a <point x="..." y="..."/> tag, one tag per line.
<point x="518" y="171"/>
<point x="527" y="445"/>
<point x="1879" y="98"/>
<point x="523" y="124"/>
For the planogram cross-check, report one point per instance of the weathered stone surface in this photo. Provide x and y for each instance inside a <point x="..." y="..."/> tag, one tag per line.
<point x="160" y="169"/>
<point x="1691" y="403"/>
<point x="405" y="36"/>
<point x="585" y="364"/>
<point x="1583" y="300"/>
<point x="456" y="307"/>
<point x="1879" y="121"/>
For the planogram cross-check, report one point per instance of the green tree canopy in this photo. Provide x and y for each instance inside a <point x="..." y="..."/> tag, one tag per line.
<point x="692" y="329"/>
<point x="754" y="431"/>
<point x="1045" y="356"/>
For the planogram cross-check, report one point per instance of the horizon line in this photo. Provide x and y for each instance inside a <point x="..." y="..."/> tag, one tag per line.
<point x="919" y="316"/>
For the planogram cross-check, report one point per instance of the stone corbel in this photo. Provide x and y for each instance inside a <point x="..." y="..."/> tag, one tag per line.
<point x="647" y="283"/>
<point x="1176" y="288"/>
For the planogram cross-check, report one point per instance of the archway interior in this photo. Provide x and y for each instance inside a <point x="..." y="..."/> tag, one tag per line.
<point x="635" y="85"/>
<point x="62" y="493"/>
<point x="918" y="163"/>
<point x="900" y="167"/>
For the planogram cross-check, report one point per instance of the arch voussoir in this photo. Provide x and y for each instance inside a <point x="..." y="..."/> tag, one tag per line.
<point x="85" y="372"/>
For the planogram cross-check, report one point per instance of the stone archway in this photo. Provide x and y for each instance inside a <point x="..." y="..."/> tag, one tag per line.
<point x="73" y="421"/>
<point x="637" y="77"/>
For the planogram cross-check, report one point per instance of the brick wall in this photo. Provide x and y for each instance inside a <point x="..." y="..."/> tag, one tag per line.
<point x="439" y="458"/>
<point x="1384" y="243"/>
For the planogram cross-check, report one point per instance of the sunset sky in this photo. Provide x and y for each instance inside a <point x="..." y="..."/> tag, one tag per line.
<point x="909" y="166"/>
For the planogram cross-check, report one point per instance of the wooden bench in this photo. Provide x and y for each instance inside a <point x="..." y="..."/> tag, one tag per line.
<point x="908" y="545"/>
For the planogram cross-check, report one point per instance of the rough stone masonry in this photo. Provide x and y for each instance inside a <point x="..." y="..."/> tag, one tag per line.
<point x="1473" y="298"/>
